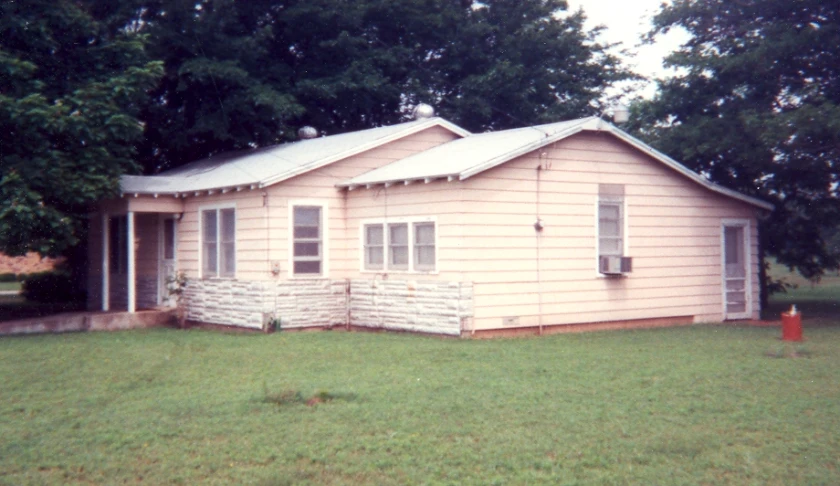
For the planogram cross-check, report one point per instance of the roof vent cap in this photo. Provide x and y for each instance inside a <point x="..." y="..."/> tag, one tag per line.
<point x="423" y="111"/>
<point x="307" y="132"/>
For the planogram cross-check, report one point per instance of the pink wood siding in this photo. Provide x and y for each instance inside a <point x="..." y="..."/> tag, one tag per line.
<point x="673" y="234"/>
<point x="262" y="215"/>
<point x="486" y="235"/>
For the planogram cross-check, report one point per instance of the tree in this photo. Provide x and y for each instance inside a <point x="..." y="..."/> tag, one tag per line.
<point x="69" y="94"/>
<point x="755" y="108"/>
<point x="246" y="74"/>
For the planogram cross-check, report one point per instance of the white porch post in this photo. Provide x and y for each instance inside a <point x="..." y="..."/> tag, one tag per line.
<point x="106" y="251"/>
<point x="132" y="290"/>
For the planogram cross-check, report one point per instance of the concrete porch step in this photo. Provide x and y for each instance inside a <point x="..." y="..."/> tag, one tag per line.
<point x="89" y="321"/>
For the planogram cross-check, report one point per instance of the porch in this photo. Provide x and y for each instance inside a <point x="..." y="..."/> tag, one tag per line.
<point x="133" y="254"/>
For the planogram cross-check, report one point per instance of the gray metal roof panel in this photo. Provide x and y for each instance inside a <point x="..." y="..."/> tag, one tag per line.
<point x="477" y="153"/>
<point x="462" y="156"/>
<point x="269" y="165"/>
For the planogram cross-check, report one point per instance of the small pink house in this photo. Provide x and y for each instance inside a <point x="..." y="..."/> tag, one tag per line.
<point x="423" y="226"/>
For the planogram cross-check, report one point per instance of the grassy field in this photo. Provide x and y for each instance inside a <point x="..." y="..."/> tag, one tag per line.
<point x="696" y="405"/>
<point x="14" y="286"/>
<point x="818" y="300"/>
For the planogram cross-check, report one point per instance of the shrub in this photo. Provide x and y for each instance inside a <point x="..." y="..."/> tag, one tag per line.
<point x="52" y="287"/>
<point x="8" y="277"/>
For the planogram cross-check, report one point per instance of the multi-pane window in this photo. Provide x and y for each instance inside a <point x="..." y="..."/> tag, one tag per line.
<point x="404" y="246"/>
<point x="398" y="246"/>
<point x="424" y="246"/>
<point x="374" y="246"/>
<point x="218" y="242"/>
<point x="611" y="220"/>
<point x="307" y="240"/>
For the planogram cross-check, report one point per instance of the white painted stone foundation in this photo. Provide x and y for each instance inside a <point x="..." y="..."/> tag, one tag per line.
<point x="405" y="305"/>
<point x="227" y="302"/>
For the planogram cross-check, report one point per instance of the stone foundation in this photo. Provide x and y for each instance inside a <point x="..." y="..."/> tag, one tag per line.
<point x="228" y="302"/>
<point x="405" y="305"/>
<point x="305" y="303"/>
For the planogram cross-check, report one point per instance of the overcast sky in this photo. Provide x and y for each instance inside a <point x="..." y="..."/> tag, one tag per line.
<point x="625" y="22"/>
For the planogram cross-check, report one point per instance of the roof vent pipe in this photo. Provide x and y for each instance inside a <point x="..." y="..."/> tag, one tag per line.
<point x="307" y="132"/>
<point x="423" y="111"/>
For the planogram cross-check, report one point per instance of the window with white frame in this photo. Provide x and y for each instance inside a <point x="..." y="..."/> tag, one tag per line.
<point x="399" y="246"/>
<point x="307" y="240"/>
<point x="118" y="258"/>
<point x="218" y="242"/>
<point x="374" y="243"/>
<point x="611" y="220"/>
<point x="424" y="246"/>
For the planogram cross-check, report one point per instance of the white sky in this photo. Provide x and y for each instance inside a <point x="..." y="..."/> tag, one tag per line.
<point x="625" y="22"/>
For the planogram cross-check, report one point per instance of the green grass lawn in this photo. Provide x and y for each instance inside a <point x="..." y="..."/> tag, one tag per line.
<point x="817" y="300"/>
<point x="696" y="405"/>
<point x="10" y="286"/>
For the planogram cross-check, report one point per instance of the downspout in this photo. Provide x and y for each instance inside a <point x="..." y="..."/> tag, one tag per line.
<point x="538" y="228"/>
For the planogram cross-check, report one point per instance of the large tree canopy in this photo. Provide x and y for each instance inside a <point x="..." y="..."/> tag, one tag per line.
<point x="755" y="107"/>
<point x="69" y="90"/>
<point x="93" y="89"/>
<point x="243" y="74"/>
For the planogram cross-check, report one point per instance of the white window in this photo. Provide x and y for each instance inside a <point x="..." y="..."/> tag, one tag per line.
<point x="424" y="246"/>
<point x="307" y="240"/>
<point x="611" y="220"/>
<point x="374" y="246"/>
<point x="400" y="246"/>
<point x="218" y="242"/>
<point x="118" y="258"/>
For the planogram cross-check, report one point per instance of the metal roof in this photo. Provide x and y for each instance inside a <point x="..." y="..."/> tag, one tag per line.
<point x="270" y="165"/>
<point x="466" y="157"/>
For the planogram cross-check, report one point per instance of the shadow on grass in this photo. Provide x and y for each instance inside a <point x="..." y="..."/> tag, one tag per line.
<point x="815" y="313"/>
<point x="15" y="307"/>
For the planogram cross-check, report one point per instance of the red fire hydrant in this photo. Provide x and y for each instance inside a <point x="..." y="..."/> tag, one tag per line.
<point x="792" y="325"/>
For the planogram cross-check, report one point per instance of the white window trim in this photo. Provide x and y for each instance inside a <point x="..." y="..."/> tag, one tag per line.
<point x="325" y="238"/>
<point x="625" y="231"/>
<point x="210" y="207"/>
<point x="748" y="309"/>
<point x="409" y="220"/>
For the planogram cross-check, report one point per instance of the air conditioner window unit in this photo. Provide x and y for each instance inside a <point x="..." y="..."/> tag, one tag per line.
<point x="615" y="265"/>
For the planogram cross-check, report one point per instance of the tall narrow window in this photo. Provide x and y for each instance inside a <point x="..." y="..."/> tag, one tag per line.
<point x="227" y="237"/>
<point x="118" y="258"/>
<point x="374" y="246"/>
<point x="424" y="246"/>
<point x="611" y="220"/>
<point x="307" y="240"/>
<point x="169" y="239"/>
<point x="398" y="246"/>
<point x="218" y="242"/>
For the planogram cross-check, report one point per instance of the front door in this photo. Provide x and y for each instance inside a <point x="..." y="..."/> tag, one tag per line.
<point x="167" y="266"/>
<point x="736" y="291"/>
